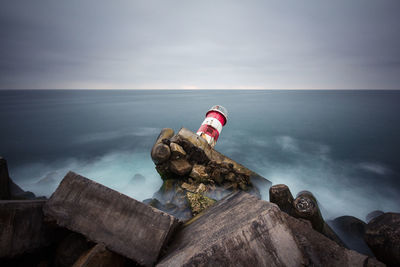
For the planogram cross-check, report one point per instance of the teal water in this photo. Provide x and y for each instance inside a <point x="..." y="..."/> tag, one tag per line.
<point x="341" y="145"/>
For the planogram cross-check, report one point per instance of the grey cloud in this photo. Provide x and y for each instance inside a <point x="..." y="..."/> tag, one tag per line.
<point x="209" y="44"/>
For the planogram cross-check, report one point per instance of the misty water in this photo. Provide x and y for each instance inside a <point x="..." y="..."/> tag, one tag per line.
<point x="340" y="145"/>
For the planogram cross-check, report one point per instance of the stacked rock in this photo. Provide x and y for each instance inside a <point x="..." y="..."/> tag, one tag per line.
<point x="304" y="206"/>
<point x="186" y="158"/>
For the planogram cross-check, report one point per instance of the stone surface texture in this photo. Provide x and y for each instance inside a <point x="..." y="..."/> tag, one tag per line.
<point x="306" y="207"/>
<point x="241" y="230"/>
<point x="383" y="237"/>
<point x="126" y="226"/>
<point x="161" y="152"/>
<point x="180" y="167"/>
<point x="281" y="196"/>
<point x="22" y="229"/>
<point x="99" y="256"/>
<point x="177" y="151"/>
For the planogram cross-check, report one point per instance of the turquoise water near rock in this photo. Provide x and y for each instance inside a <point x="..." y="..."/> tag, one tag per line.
<point x="341" y="145"/>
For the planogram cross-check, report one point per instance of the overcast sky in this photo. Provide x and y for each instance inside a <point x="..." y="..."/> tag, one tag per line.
<point x="168" y="44"/>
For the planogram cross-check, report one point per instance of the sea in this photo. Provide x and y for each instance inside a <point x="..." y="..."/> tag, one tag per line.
<point x="342" y="145"/>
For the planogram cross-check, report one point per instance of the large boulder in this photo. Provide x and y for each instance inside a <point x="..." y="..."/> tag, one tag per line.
<point x="281" y="196"/>
<point x="180" y="167"/>
<point x="241" y="230"/>
<point x="372" y="215"/>
<point x="126" y="226"/>
<point x="351" y="231"/>
<point x="160" y="151"/>
<point x="305" y="206"/>
<point x="18" y="193"/>
<point x="22" y="228"/>
<point x="382" y="235"/>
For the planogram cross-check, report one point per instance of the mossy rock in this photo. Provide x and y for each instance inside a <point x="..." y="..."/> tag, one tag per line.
<point x="198" y="202"/>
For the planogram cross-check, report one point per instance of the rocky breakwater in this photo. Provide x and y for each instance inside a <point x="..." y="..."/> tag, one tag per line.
<point x="87" y="224"/>
<point x="195" y="175"/>
<point x="242" y="230"/>
<point x="379" y="238"/>
<point x="82" y="224"/>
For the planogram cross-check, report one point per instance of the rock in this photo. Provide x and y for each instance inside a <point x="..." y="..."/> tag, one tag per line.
<point x="306" y="207"/>
<point x="22" y="229"/>
<point x="10" y="190"/>
<point x="231" y="177"/>
<point x="70" y="249"/>
<point x="383" y="237"/>
<point x="201" y="189"/>
<point x="4" y="180"/>
<point x="199" y="173"/>
<point x="217" y="177"/>
<point x="126" y="226"/>
<point x="18" y="194"/>
<point x="189" y="187"/>
<point x="172" y="199"/>
<point x="198" y="202"/>
<point x="281" y="196"/>
<point x="242" y="230"/>
<point x="351" y="231"/>
<point x="160" y="151"/>
<point x="200" y="152"/>
<point x="99" y="256"/>
<point x="177" y="151"/>
<point x="373" y="214"/>
<point x="180" y="167"/>
<point x="329" y="233"/>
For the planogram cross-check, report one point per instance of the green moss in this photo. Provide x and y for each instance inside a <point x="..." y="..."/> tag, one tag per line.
<point x="198" y="202"/>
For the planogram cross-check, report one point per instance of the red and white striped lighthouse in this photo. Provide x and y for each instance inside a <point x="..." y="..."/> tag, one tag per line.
<point x="210" y="129"/>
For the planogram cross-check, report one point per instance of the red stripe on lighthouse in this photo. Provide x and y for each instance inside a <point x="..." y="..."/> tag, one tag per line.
<point x="217" y="115"/>
<point x="209" y="130"/>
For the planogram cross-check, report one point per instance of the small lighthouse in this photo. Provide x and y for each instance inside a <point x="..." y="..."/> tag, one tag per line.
<point x="210" y="129"/>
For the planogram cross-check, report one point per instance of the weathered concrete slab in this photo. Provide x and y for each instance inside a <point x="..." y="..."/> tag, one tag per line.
<point x="126" y="226"/>
<point x="22" y="229"/>
<point x="242" y="230"/>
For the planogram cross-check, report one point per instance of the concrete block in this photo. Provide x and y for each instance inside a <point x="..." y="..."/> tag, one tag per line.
<point x="126" y="226"/>
<point x="22" y="229"/>
<point x="241" y="230"/>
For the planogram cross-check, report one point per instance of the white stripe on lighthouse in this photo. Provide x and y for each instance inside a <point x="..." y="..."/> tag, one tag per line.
<point x="213" y="122"/>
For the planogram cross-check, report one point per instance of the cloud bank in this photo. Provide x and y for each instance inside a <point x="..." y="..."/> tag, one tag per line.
<point x="200" y="44"/>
